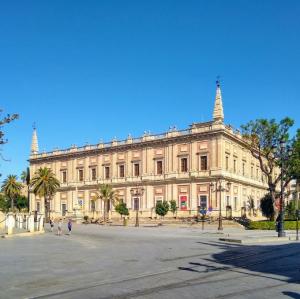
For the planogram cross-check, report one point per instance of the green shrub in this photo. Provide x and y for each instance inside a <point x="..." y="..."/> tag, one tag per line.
<point x="162" y="208"/>
<point x="270" y="225"/>
<point x="265" y="225"/>
<point x="173" y="206"/>
<point x="122" y="209"/>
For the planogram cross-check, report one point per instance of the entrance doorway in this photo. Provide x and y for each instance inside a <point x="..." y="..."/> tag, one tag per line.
<point x="63" y="209"/>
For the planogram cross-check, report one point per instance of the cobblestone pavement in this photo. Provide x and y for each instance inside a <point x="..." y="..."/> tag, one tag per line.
<point x="153" y="262"/>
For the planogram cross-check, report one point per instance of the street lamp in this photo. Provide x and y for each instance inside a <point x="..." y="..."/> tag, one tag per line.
<point x="281" y="232"/>
<point x="297" y="211"/>
<point x="136" y="194"/>
<point x="219" y="188"/>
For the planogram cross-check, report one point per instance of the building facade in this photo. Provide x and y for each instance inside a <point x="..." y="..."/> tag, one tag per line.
<point x="187" y="166"/>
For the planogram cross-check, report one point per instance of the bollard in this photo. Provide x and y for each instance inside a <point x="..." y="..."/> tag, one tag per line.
<point x="2" y="220"/>
<point x="31" y="223"/>
<point x="19" y="221"/>
<point x="10" y="223"/>
<point x="41" y="222"/>
<point x="26" y="222"/>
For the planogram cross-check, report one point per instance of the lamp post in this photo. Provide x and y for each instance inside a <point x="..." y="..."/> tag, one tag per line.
<point x="297" y="211"/>
<point x="281" y="232"/>
<point x="136" y="194"/>
<point x="219" y="188"/>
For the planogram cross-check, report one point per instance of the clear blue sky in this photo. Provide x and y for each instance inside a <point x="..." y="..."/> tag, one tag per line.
<point x="91" y="70"/>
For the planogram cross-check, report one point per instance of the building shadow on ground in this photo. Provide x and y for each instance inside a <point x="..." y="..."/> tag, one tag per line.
<point x="291" y="294"/>
<point x="280" y="262"/>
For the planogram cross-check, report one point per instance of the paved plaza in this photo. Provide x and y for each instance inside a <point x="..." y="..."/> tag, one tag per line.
<point x="146" y="262"/>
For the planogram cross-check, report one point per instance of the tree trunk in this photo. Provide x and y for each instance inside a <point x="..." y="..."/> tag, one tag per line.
<point x="273" y="196"/>
<point x="104" y="213"/>
<point x="12" y="204"/>
<point x="47" y="210"/>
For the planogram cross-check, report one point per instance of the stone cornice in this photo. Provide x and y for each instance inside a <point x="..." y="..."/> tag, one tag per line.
<point x="124" y="147"/>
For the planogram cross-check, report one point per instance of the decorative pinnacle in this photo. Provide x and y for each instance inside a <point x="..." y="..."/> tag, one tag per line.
<point x="34" y="143"/>
<point x="218" y="115"/>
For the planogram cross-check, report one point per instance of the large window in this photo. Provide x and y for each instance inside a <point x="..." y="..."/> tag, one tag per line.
<point x="93" y="205"/>
<point x="234" y="165"/>
<point x="203" y="162"/>
<point x="80" y="175"/>
<point x="121" y="171"/>
<point x="136" y="169"/>
<point x="64" y="176"/>
<point x="184" y="165"/>
<point x="228" y="201"/>
<point x="203" y="201"/>
<point x="227" y="162"/>
<point x="243" y="168"/>
<point x="136" y="203"/>
<point x="94" y="174"/>
<point x="235" y="203"/>
<point x="159" y="167"/>
<point x="106" y="172"/>
<point x="158" y="199"/>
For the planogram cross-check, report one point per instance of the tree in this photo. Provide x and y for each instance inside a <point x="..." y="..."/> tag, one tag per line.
<point x="162" y="208"/>
<point x="25" y="177"/>
<point x="267" y="207"/>
<point x="263" y="139"/>
<point x="4" y="203"/>
<point x="173" y="206"/>
<point x="22" y="202"/>
<point x="11" y="188"/>
<point x="293" y="169"/>
<point x="45" y="184"/>
<point x="290" y="209"/>
<point x="3" y="121"/>
<point x="122" y="209"/>
<point x="107" y="195"/>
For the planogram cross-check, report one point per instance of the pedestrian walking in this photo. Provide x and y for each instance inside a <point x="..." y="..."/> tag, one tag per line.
<point x="70" y="226"/>
<point x="51" y="224"/>
<point x="59" y="227"/>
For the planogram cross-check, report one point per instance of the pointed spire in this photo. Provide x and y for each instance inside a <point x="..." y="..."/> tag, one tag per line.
<point x="218" y="114"/>
<point x="34" y="143"/>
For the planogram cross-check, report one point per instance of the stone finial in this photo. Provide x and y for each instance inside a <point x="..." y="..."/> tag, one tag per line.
<point x="34" y="142"/>
<point x="218" y="114"/>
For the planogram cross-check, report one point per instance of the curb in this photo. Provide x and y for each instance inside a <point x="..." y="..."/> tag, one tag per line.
<point x="26" y="234"/>
<point x="256" y="240"/>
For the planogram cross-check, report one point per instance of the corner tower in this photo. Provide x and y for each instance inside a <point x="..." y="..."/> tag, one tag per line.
<point x="218" y="115"/>
<point x="34" y="142"/>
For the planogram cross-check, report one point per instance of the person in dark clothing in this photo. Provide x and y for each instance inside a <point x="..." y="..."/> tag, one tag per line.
<point x="51" y="222"/>
<point x="70" y="226"/>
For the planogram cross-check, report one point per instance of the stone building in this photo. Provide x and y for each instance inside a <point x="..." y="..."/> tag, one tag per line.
<point x="191" y="166"/>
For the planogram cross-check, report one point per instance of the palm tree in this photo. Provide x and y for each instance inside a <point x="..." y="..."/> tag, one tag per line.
<point x="107" y="194"/>
<point x="45" y="184"/>
<point x="25" y="177"/>
<point x="11" y="188"/>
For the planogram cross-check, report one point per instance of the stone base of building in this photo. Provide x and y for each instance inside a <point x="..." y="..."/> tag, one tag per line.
<point x="150" y="214"/>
